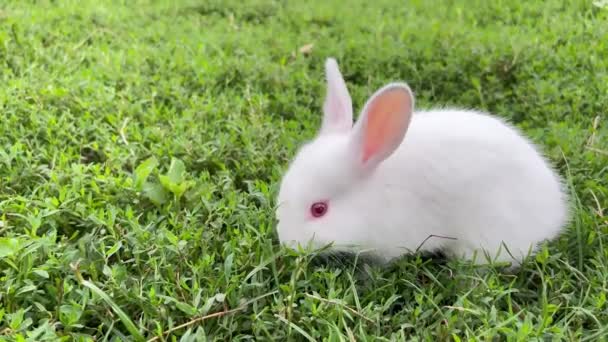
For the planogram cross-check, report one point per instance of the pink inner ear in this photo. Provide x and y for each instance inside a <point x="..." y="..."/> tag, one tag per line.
<point x="387" y="118"/>
<point x="336" y="110"/>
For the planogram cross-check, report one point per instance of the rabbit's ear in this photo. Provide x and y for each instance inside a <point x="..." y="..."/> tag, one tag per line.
<point x="337" y="109"/>
<point x="382" y="125"/>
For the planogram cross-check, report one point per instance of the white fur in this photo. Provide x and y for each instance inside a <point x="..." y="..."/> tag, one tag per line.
<point x="460" y="174"/>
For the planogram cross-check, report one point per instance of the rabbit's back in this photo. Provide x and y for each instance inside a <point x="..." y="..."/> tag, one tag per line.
<point x="473" y="177"/>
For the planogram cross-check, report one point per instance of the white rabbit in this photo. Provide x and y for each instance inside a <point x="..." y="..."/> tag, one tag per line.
<point x="462" y="175"/>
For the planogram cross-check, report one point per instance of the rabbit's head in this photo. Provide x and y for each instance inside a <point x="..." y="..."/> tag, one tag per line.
<point x="324" y="196"/>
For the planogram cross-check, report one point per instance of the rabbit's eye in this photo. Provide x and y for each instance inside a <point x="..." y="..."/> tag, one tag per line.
<point x="318" y="209"/>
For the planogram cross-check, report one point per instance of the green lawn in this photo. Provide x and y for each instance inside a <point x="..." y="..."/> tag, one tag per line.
<point x="141" y="145"/>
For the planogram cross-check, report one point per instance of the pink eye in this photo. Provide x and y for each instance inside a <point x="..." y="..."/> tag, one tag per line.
<point x="318" y="209"/>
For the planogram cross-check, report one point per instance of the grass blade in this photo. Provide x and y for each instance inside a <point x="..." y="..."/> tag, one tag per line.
<point x="117" y="310"/>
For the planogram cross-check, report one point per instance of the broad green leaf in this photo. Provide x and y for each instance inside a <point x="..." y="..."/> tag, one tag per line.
<point x="113" y="249"/>
<point x="177" y="189"/>
<point x="174" y="180"/>
<point x="171" y="237"/>
<point x="155" y="193"/>
<point x="16" y="319"/>
<point x="186" y="337"/>
<point x="27" y="288"/>
<point x="143" y="171"/>
<point x="228" y="266"/>
<point x="9" y="246"/>
<point x="186" y="308"/>
<point x="177" y="169"/>
<point x="167" y="184"/>
<point x="42" y="273"/>
<point x="69" y="314"/>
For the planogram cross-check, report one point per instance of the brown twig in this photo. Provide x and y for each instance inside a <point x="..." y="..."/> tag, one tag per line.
<point x="433" y="236"/>
<point x="197" y="320"/>
<point x="342" y="305"/>
<point x="213" y="315"/>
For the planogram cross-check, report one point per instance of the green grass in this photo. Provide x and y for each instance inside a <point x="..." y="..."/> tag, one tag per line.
<point x="141" y="145"/>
